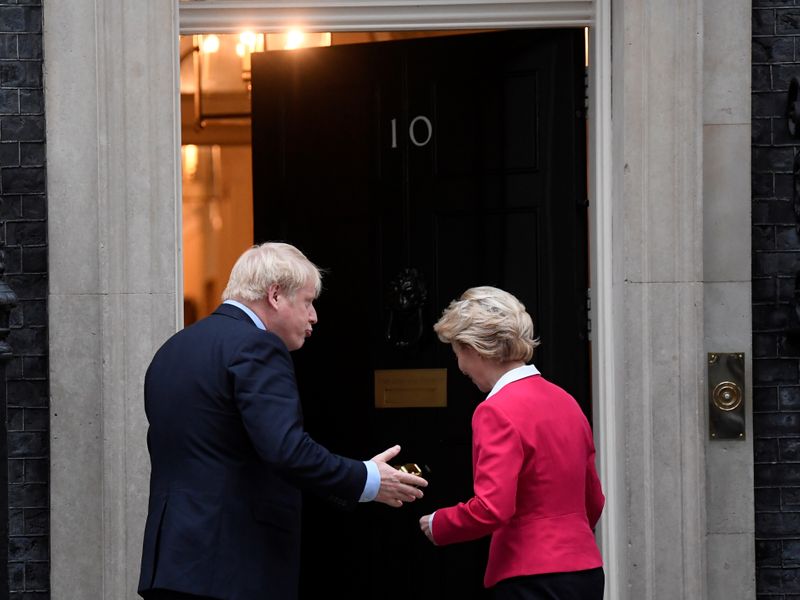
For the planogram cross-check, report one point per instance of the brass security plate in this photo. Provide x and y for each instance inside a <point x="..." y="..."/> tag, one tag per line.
<point x="726" y="402"/>
<point x="410" y="388"/>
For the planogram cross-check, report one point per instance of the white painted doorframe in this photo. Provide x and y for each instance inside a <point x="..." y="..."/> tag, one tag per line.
<point x="226" y="16"/>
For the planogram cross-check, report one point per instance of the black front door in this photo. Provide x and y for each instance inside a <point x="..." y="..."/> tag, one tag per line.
<point x="432" y="165"/>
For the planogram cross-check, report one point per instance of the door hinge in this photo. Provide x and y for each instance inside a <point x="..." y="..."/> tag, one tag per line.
<point x="586" y="93"/>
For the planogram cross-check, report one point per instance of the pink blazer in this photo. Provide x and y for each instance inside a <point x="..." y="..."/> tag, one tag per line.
<point x="536" y="487"/>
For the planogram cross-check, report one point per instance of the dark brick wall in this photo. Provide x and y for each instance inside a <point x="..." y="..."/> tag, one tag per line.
<point x="23" y="234"/>
<point x="776" y="303"/>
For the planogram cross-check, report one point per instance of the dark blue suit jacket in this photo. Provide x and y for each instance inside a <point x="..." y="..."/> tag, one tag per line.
<point x="229" y="455"/>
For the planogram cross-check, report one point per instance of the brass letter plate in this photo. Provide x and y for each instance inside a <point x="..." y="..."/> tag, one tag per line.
<point x="726" y="417"/>
<point x="410" y="388"/>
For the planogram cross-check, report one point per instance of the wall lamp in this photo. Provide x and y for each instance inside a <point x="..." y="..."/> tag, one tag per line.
<point x="248" y="42"/>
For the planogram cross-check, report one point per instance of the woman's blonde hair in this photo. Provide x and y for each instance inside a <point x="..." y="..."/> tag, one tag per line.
<point x="270" y="263"/>
<point x="491" y="321"/>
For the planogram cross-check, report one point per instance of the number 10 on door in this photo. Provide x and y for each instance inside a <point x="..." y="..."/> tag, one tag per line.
<point x="420" y="131"/>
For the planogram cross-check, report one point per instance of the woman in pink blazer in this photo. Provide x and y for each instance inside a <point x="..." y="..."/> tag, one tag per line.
<point x="536" y="488"/>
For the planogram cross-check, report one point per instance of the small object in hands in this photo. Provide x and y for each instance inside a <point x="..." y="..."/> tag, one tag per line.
<point x="415" y="469"/>
<point x="412" y="468"/>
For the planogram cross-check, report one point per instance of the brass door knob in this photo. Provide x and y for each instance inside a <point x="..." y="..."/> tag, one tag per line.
<point x="727" y="395"/>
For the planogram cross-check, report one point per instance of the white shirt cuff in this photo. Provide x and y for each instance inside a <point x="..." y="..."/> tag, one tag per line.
<point x="373" y="484"/>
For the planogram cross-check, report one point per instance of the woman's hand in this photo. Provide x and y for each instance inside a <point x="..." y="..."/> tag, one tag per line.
<point x="425" y="526"/>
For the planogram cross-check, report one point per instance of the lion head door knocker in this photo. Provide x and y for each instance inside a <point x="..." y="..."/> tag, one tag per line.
<point x="407" y="294"/>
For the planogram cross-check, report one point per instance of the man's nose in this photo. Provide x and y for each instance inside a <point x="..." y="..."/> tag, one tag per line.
<point x="312" y="315"/>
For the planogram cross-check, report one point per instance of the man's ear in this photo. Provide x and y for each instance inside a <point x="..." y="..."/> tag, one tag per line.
<point x="273" y="293"/>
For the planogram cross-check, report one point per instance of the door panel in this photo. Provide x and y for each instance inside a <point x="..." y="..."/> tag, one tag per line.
<point x="462" y="158"/>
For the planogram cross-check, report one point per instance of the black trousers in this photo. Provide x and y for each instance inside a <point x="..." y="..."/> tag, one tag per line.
<point x="575" y="585"/>
<point x="170" y="595"/>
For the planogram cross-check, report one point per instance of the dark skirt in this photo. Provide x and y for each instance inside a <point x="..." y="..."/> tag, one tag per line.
<point x="575" y="585"/>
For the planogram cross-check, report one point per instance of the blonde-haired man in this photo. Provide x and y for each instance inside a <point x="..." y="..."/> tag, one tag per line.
<point x="227" y="447"/>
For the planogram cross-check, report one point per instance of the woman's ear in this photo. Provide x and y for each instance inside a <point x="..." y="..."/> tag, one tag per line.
<point x="467" y="350"/>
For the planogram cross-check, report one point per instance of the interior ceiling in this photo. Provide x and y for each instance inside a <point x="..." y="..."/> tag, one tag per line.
<point x="225" y="91"/>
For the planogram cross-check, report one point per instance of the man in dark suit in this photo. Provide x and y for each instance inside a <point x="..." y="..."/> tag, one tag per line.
<point x="228" y="452"/>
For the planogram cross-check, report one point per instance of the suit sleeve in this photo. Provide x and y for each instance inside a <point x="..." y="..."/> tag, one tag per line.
<point x="595" y="500"/>
<point x="265" y="392"/>
<point x="497" y="457"/>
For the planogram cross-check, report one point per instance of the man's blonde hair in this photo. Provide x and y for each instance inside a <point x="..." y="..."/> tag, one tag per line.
<point x="270" y="263"/>
<point x="491" y="321"/>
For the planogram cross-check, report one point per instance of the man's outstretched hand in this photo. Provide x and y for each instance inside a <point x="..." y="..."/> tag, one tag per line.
<point x="396" y="487"/>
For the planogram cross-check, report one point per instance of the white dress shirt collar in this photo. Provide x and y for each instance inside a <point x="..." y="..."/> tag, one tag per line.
<point x="253" y="316"/>
<point x="512" y="376"/>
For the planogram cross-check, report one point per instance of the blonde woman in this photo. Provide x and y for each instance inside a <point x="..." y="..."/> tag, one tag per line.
<point x="536" y="490"/>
